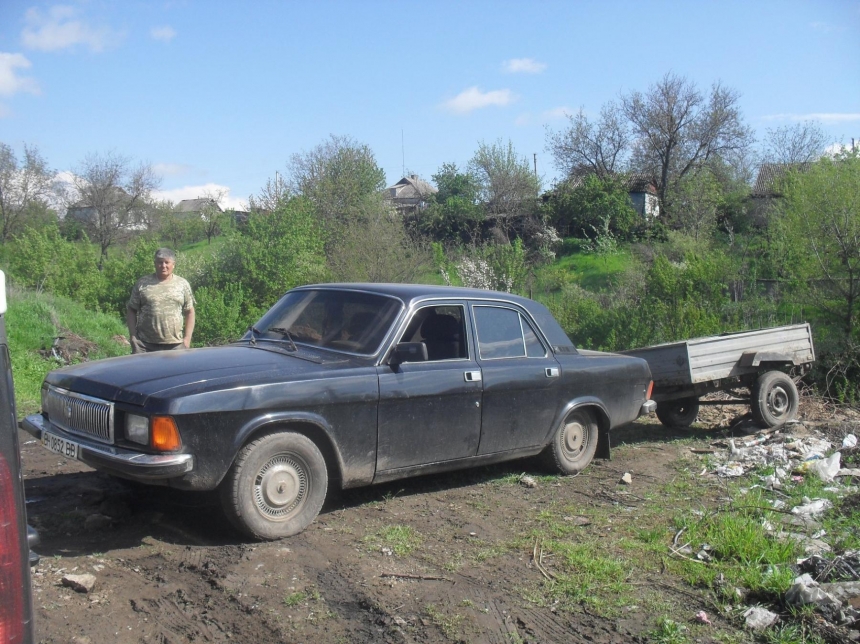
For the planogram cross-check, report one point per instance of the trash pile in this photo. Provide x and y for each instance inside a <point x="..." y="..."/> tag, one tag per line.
<point x="830" y="583"/>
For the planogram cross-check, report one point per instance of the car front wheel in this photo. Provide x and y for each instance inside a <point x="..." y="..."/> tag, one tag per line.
<point x="574" y="444"/>
<point x="276" y="487"/>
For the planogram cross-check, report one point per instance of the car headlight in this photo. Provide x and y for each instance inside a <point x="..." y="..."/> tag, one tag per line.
<point x="137" y="428"/>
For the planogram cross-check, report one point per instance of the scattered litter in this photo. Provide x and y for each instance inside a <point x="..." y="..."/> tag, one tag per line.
<point x="528" y="481"/>
<point x="627" y="479"/>
<point x="826" y="468"/>
<point x="731" y="470"/>
<point x="807" y="591"/>
<point x="758" y="618"/>
<point x="844" y="567"/>
<point x="849" y="441"/>
<point x="812" y="508"/>
<point x="386" y="551"/>
<point x="702" y="618"/>
<point x="578" y="520"/>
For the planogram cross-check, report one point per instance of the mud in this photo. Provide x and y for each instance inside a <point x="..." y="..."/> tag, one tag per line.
<point x="169" y="569"/>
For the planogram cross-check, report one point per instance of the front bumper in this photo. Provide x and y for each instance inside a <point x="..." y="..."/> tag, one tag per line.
<point x="116" y="460"/>
<point x="648" y="407"/>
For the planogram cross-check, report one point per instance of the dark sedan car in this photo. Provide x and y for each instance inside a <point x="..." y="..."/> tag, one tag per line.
<point x="349" y="384"/>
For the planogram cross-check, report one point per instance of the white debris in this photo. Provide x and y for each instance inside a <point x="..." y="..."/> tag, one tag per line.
<point x="826" y="468"/>
<point x="758" y="618"/>
<point x="806" y="591"/>
<point x="528" y="481"/>
<point x="627" y="479"/>
<point x="812" y="508"/>
<point x="849" y="441"/>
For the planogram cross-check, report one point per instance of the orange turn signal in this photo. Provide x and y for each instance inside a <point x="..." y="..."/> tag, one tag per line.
<point x="650" y="389"/>
<point x="165" y="435"/>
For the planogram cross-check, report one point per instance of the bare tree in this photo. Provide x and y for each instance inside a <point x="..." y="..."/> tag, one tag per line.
<point x="112" y="197"/>
<point x="798" y="143"/>
<point x="275" y="193"/>
<point x="212" y="215"/>
<point x="600" y="148"/>
<point x="679" y="129"/>
<point x="23" y="188"/>
<point x="508" y="189"/>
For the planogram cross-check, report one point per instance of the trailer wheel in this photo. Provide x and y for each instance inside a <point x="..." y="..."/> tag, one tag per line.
<point x="774" y="399"/>
<point x="680" y="413"/>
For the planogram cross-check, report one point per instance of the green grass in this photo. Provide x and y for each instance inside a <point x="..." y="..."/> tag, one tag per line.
<point x="590" y="271"/>
<point x="400" y="539"/>
<point x="33" y="320"/>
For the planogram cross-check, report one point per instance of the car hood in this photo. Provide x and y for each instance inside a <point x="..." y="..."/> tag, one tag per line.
<point x="133" y="379"/>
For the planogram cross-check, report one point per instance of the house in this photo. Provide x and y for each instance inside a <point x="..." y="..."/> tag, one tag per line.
<point x="115" y="200"/>
<point x="189" y="207"/>
<point x="410" y="194"/>
<point x="767" y="189"/>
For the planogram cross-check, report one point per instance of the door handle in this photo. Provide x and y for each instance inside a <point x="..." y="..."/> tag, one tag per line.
<point x="551" y="372"/>
<point x="472" y="376"/>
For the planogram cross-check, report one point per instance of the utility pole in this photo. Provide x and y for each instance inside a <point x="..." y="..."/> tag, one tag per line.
<point x="535" y="165"/>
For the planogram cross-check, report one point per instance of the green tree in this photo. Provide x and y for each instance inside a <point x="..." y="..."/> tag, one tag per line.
<point x="25" y="189"/>
<point x="453" y="214"/>
<point x="275" y="252"/>
<point x="819" y="226"/>
<point x="507" y="187"/>
<point x="591" y="204"/>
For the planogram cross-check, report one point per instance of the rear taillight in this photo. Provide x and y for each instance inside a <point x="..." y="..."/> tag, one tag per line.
<point x="650" y="389"/>
<point x="12" y="627"/>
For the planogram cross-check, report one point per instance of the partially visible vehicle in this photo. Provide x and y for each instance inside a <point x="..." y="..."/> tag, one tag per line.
<point x="16" y="605"/>
<point x="760" y="361"/>
<point x="348" y="383"/>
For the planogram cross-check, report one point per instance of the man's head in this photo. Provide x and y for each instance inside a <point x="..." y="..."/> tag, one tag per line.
<point x="165" y="261"/>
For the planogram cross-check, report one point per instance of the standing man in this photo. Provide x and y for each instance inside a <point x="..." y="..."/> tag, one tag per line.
<point x="158" y="306"/>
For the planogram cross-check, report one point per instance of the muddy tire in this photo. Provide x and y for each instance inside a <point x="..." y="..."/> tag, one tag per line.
<point x="774" y="399"/>
<point x="276" y="486"/>
<point x="574" y="444"/>
<point x="678" y="414"/>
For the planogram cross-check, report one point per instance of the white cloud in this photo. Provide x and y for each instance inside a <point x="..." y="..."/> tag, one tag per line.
<point x="474" y="99"/>
<point x="165" y="33"/>
<point x="10" y="81"/>
<point x="830" y="118"/>
<point x="60" y="28"/>
<point x="556" y="113"/>
<point x="523" y="66"/>
<point x="171" y="169"/>
<point x="198" y="192"/>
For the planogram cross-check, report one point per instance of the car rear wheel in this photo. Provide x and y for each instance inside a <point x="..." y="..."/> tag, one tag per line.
<point x="574" y="444"/>
<point x="679" y="413"/>
<point x="774" y="399"/>
<point x="276" y="487"/>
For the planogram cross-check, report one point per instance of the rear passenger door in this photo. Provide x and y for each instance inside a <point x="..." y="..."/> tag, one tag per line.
<point x="521" y="378"/>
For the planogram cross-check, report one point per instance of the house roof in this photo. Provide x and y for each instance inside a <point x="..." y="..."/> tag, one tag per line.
<point x="769" y="174"/>
<point x="411" y="187"/>
<point x="632" y="181"/>
<point x="195" y="205"/>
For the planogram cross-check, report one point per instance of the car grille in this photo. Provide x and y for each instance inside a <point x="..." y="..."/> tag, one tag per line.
<point x="79" y="414"/>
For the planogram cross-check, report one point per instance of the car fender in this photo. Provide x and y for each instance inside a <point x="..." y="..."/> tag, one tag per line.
<point x="322" y="435"/>
<point x="603" y="421"/>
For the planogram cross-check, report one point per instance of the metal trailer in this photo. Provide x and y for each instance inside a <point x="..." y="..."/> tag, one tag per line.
<point x="763" y="361"/>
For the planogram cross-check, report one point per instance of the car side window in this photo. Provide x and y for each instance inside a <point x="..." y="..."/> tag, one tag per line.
<point x="505" y="333"/>
<point x="442" y="329"/>
<point x="534" y="347"/>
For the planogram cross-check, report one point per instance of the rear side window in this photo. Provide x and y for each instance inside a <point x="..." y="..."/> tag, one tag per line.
<point x="504" y="333"/>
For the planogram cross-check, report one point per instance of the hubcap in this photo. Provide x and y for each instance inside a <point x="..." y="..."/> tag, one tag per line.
<point x="574" y="438"/>
<point x="778" y="401"/>
<point x="280" y="486"/>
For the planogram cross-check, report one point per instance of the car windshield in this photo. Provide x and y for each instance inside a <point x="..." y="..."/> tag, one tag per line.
<point x="341" y="320"/>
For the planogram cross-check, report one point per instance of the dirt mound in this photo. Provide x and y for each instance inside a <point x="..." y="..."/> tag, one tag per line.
<point x="69" y="348"/>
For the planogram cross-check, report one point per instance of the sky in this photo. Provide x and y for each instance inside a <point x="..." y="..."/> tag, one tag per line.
<point x="218" y="95"/>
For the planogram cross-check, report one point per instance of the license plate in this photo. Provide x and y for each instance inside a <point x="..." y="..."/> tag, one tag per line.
<point x="60" y="445"/>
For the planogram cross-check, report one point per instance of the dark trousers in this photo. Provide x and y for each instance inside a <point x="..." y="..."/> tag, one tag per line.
<point x="139" y="346"/>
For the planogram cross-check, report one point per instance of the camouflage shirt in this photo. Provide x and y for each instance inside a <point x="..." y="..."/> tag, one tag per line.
<point x="160" y="308"/>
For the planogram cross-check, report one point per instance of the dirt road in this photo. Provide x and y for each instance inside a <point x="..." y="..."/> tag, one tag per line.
<point x="434" y="559"/>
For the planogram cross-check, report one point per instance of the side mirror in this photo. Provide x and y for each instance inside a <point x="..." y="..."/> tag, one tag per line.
<point x="408" y="352"/>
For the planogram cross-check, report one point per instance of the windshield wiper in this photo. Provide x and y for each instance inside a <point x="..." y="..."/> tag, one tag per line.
<point x="284" y="332"/>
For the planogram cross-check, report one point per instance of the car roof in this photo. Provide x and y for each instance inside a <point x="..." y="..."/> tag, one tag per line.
<point x="412" y="293"/>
